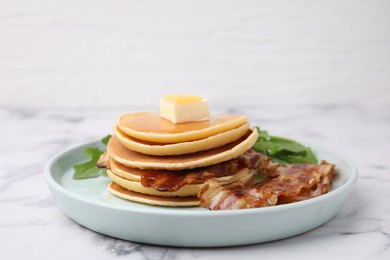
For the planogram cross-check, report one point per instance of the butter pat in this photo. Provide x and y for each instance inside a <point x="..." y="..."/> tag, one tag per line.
<point x="184" y="108"/>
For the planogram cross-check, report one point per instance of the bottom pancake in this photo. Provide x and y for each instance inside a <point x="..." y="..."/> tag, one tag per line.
<point x="126" y="194"/>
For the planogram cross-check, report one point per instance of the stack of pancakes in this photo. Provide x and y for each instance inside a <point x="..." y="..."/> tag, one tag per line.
<point x="154" y="161"/>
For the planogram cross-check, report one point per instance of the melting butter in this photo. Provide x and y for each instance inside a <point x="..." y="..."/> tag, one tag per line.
<point x="180" y="108"/>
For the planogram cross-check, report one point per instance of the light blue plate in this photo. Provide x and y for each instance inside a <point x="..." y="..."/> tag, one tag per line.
<point x="89" y="203"/>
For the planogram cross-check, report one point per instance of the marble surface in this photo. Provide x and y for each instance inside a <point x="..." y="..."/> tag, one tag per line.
<point x="33" y="227"/>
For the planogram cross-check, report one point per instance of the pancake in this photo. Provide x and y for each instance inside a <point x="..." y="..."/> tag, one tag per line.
<point x="243" y="175"/>
<point x="121" y="154"/>
<point x="159" y="149"/>
<point x="152" y="127"/>
<point x="126" y="194"/>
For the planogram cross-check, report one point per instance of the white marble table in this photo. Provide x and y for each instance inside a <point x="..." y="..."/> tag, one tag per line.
<point x="33" y="227"/>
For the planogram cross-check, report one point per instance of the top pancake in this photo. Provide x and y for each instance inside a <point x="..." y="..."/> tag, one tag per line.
<point x="153" y="128"/>
<point x="160" y="149"/>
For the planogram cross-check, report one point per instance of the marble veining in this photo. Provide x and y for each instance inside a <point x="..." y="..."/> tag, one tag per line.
<point x="33" y="227"/>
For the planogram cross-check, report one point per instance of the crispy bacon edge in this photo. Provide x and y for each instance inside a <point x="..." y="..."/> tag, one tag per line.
<point x="284" y="184"/>
<point x="104" y="160"/>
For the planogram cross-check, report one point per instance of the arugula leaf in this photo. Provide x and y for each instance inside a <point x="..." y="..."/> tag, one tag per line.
<point x="89" y="169"/>
<point x="106" y="139"/>
<point x="283" y="150"/>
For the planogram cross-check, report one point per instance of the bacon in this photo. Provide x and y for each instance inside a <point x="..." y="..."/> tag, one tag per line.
<point x="284" y="184"/>
<point x="235" y="195"/>
<point x="169" y="181"/>
<point x="104" y="161"/>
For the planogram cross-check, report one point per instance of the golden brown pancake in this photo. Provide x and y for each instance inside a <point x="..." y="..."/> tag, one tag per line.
<point x="152" y="127"/>
<point x="160" y="149"/>
<point x="126" y="194"/>
<point x="121" y="154"/>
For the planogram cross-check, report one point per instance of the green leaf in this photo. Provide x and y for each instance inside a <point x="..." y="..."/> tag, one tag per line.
<point x="104" y="172"/>
<point x="310" y="156"/>
<point x="264" y="146"/>
<point x="283" y="144"/>
<point x="262" y="134"/>
<point x="106" y="139"/>
<point x="283" y="150"/>
<point x="89" y="169"/>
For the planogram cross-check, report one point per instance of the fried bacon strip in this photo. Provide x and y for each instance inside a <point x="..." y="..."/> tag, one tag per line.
<point x="165" y="180"/>
<point x="284" y="184"/>
<point x="170" y="181"/>
<point x="104" y="161"/>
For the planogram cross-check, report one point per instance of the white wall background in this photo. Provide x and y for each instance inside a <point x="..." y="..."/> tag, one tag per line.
<point x="124" y="53"/>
